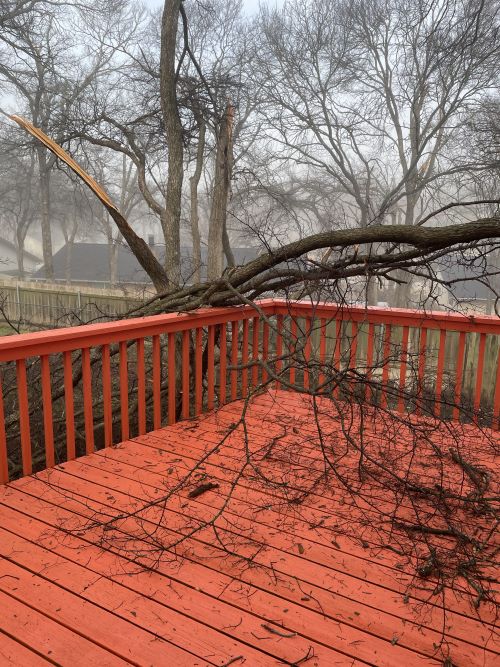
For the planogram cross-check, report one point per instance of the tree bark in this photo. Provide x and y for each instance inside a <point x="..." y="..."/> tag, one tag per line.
<point x="44" y="181"/>
<point x="112" y="256"/>
<point x="218" y="212"/>
<point x="370" y="286"/>
<point x="113" y="263"/>
<point x="194" y="216"/>
<point x="226" y="244"/>
<point x="173" y="129"/>
<point x="69" y="260"/>
<point x="20" y="260"/>
<point x="69" y="234"/>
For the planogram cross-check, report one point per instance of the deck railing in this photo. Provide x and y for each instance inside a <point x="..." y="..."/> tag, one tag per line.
<point x="128" y="377"/>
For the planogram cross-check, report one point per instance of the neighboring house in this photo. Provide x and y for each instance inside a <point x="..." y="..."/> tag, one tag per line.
<point x="9" y="263"/>
<point x="461" y="285"/>
<point x="469" y="288"/>
<point x="90" y="264"/>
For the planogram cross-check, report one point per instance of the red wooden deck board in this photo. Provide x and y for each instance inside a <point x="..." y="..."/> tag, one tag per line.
<point x="372" y="619"/>
<point x="231" y="458"/>
<point x="233" y="620"/>
<point x="54" y="641"/>
<point x="15" y="654"/>
<point x="68" y="594"/>
<point x="85" y="618"/>
<point x="231" y="461"/>
<point x="348" y="633"/>
<point x="317" y="547"/>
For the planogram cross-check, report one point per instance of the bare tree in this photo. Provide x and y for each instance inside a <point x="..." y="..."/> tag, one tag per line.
<point x="220" y="194"/>
<point x="47" y="75"/>
<point x="194" y="182"/>
<point x="168" y="94"/>
<point x="18" y="196"/>
<point x="376" y="94"/>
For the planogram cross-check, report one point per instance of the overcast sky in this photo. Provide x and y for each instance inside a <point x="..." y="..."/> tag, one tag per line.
<point x="250" y="5"/>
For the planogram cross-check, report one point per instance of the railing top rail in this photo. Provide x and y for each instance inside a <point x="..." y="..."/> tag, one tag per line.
<point x="89" y="335"/>
<point x="432" y="319"/>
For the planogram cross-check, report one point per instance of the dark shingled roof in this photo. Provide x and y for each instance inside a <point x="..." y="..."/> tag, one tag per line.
<point x="90" y="263"/>
<point x="463" y="273"/>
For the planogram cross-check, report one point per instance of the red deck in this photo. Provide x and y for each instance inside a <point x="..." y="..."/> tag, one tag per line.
<point x="309" y="597"/>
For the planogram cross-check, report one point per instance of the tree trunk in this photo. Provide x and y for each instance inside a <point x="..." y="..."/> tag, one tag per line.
<point x="218" y="212"/>
<point x="171" y="220"/>
<point x="371" y="292"/>
<point x="403" y="289"/>
<point x="44" y="180"/>
<point x="20" y="260"/>
<point x="113" y="264"/>
<point x="69" y="260"/>
<point x="194" y="217"/>
<point x="228" y="251"/>
<point x="370" y="286"/>
<point x="112" y="250"/>
<point x="113" y="259"/>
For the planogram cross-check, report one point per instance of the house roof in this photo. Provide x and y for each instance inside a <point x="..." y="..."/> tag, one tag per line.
<point x="466" y="276"/>
<point x="90" y="263"/>
<point x="29" y="255"/>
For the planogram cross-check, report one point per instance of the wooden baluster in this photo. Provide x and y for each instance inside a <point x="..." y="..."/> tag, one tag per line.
<point x="293" y="348"/>
<point x="336" y="352"/>
<point x="265" y="349"/>
<point x="24" y="416"/>
<point x="369" y="355"/>
<point x="171" y="379"/>
<point x="69" y="406"/>
<point x="354" y="345"/>
<point x="198" y="370"/>
<point x="422" y="358"/>
<point x="87" y="401"/>
<point x="386" y="366"/>
<point x="322" y="350"/>
<point x="106" y="396"/>
<point x="4" y="461"/>
<point x="186" y="343"/>
<point x="255" y="351"/>
<point x="234" y="360"/>
<point x="222" y="364"/>
<point x="439" y="372"/>
<point x="402" y="369"/>
<point x="141" y="386"/>
<point x="307" y="352"/>
<point x="479" y="375"/>
<point x="459" y="375"/>
<point x="353" y="351"/>
<point x="48" y="425"/>
<point x="210" y="367"/>
<point x="496" y="399"/>
<point x="279" y="348"/>
<point x="244" y="359"/>
<point x="125" y="426"/>
<point x="156" y="382"/>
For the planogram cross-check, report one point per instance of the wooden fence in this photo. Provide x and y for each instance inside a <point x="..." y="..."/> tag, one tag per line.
<point x="60" y="305"/>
